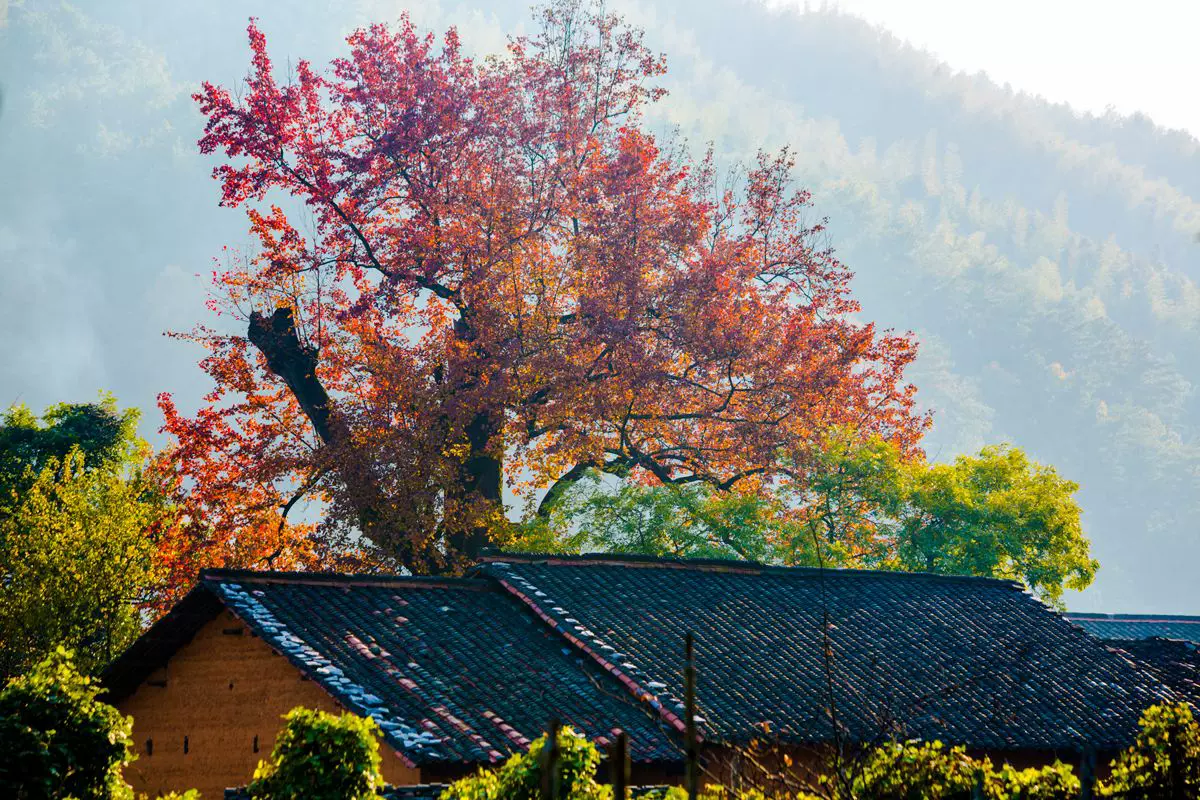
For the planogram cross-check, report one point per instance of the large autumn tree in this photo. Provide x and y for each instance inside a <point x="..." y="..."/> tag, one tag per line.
<point x="490" y="274"/>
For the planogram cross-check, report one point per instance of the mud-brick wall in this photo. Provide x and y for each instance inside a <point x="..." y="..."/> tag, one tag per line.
<point x="218" y="693"/>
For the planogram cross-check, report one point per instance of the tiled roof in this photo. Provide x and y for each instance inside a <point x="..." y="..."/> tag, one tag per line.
<point x="1172" y="661"/>
<point x="965" y="660"/>
<point x="1139" y="626"/>
<point x="452" y="669"/>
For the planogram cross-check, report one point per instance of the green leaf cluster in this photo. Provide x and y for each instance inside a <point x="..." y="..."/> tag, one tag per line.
<point x="861" y="503"/>
<point x="1164" y="760"/>
<point x="57" y="741"/>
<point x="520" y="778"/>
<point x="320" y="756"/>
<point x="908" y="771"/>
<point x="105" y="436"/>
<point x="77" y="535"/>
<point x="661" y="520"/>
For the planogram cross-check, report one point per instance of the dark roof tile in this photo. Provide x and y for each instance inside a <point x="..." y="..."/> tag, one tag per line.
<point x="965" y="660"/>
<point x="452" y="670"/>
<point x="1139" y="626"/>
<point x="1174" y="662"/>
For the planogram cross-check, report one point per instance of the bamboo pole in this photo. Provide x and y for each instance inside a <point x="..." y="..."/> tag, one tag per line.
<point x="1087" y="773"/>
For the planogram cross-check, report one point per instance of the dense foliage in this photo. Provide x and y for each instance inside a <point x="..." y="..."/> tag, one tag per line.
<point x="105" y="436"/>
<point x="891" y="771"/>
<point x="57" y="741"/>
<point x="1165" y="759"/>
<point x="79" y="522"/>
<point x="509" y="282"/>
<point x="996" y="514"/>
<point x="520" y="778"/>
<point x="319" y="756"/>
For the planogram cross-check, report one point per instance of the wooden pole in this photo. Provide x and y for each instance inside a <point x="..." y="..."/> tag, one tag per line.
<point x="1087" y="773"/>
<point x="977" y="788"/>
<point x="692" y="774"/>
<point x="1175" y="761"/>
<point x="618" y="766"/>
<point x="549" y="759"/>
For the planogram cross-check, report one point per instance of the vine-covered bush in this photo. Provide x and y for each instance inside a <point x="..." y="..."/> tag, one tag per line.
<point x="520" y="778"/>
<point x="57" y="740"/>
<point x="319" y="756"/>
<point x="1164" y="760"/>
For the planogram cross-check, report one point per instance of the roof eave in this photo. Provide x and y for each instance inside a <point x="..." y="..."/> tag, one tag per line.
<point x="152" y="650"/>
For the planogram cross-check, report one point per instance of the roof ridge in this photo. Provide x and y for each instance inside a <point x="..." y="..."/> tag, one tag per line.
<point x="221" y="575"/>
<point x="734" y="565"/>
<point x="1186" y="618"/>
<point x="621" y="672"/>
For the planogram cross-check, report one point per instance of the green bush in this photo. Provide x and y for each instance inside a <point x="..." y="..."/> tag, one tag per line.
<point x="1055" y="782"/>
<point x="319" y="756"/>
<point x="1164" y="760"/>
<point x="57" y="740"/>
<point x="520" y="778"/>
<point x="919" y="771"/>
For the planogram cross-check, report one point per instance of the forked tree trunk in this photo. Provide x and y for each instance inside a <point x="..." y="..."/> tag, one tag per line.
<point x="480" y="476"/>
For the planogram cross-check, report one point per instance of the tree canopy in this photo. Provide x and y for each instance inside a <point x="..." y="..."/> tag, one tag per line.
<point x="320" y="756"/>
<point x="105" y="436"/>
<point x="994" y="514"/>
<point x="506" y="281"/>
<point x="79" y="527"/>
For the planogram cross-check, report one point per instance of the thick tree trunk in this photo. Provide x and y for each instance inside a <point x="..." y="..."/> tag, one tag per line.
<point x="481" y="477"/>
<point x="296" y="364"/>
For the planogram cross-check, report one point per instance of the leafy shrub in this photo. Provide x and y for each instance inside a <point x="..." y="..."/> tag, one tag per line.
<point x="319" y="756"/>
<point x="1055" y="782"/>
<point x="1164" y="760"/>
<point x="917" y="771"/>
<point x="57" y="740"/>
<point x="520" y="778"/>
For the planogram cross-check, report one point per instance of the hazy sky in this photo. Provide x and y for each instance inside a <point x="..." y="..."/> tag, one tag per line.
<point x="1139" y="56"/>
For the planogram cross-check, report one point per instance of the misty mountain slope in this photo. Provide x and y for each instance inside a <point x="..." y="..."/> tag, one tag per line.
<point x="1049" y="279"/>
<point x="836" y="66"/>
<point x="1046" y="260"/>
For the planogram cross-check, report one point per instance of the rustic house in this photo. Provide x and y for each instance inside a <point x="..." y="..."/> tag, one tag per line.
<point x="460" y="673"/>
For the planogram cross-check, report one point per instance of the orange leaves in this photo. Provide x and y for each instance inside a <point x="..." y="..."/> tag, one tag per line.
<point x="508" y="278"/>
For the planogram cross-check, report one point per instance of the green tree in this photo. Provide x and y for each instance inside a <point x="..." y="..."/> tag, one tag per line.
<point x="78" y="526"/>
<point x="102" y="432"/>
<point x="57" y="740"/>
<point x="995" y="514"/>
<point x="681" y="521"/>
<point x="319" y="756"/>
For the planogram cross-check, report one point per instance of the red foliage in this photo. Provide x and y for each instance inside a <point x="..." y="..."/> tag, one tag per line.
<point x="506" y="278"/>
